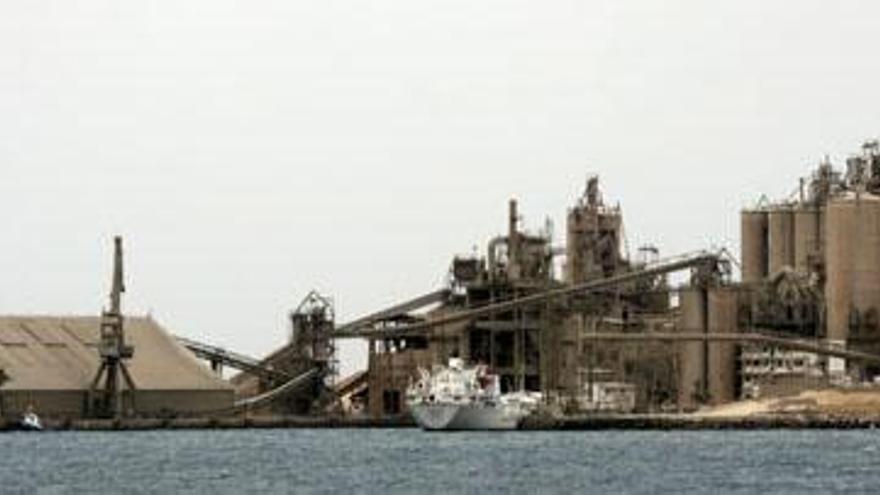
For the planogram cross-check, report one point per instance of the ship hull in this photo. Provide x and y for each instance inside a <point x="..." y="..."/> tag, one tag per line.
<point x="458" y="417"/>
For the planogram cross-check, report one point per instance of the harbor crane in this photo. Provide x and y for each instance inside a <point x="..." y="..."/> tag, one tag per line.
<point x="109" y="399"/>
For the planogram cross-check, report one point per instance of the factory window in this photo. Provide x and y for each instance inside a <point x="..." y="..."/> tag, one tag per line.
<point x="532" y="349"/>
<point x="533" y="383"/>
<point x="508" y="384"/>
<point x="416" y="343"/>
<point x="391" y="402"/>
<point x="504" y="349"/>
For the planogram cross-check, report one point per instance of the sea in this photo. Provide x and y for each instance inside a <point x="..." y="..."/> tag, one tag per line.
<point x="412" y="461"/>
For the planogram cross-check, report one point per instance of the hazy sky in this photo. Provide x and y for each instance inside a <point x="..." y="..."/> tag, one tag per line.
<point x="250" y="151"/>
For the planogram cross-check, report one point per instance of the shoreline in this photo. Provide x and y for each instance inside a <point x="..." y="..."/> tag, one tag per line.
<point x="222" y="423"/>
<point x="583" y="423"/>
<point x="702" y="423"/>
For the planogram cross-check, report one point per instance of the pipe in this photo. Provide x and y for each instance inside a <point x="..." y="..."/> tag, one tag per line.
<point x="492" y="256"/>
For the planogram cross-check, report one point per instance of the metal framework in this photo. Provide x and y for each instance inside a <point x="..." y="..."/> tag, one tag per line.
<point x="109" y="400"/>
<point x="219" y="357"/>
<point x="705" y="261"/>
<point x="289" y="386"/>
<point x="312" y="325"/>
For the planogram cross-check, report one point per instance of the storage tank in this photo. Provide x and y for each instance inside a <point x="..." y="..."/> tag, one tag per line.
<point x="781" y="233"/>
<point x="691" y="355"/>
<point x="754" y="245"/>
<point x="840" y="245"/>
<point x="722" y="356"/>
<point x="807" y="236"/>
<point x="866" y="273"/>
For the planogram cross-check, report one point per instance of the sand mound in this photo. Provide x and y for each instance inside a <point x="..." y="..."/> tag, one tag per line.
<point x="840" y="402"/>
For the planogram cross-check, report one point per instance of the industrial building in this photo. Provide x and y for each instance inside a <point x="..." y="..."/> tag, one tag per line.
<point x="812" y="264"/>
<point x="49" y="364"/>
<point x="549" y="345"/>
<point x="591" y="326"/>
<point x="804" y="314"/>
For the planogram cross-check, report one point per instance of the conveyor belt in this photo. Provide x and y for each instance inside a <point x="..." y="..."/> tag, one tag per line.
<point x="233" y="360"/>
<point x="396" y="310"/>
<point x="660" y="268"/>
<point x="290" y="386"/>
<point x="755" y="338"/>
<point x="358" y="325"/>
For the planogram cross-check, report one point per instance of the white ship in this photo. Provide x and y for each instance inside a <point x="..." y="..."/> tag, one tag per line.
<point x="30" y="422"/>
<point x="466" y="398"/>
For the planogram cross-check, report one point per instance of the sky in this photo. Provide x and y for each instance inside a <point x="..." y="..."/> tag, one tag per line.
<point x="249" y="152"/>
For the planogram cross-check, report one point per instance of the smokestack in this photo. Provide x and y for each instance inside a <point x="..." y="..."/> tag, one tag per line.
<point x="514" y="219"/>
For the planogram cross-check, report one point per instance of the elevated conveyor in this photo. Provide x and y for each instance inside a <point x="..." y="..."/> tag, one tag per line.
<point x="218" y="355"/>
<point x="278" y="392"/>
<point x="395" y="311"/>
<point x="700" y="259"/>
<point x="757" y="337"/>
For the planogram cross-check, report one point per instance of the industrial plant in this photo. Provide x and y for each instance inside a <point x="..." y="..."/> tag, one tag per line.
<point x="592" y="328"/>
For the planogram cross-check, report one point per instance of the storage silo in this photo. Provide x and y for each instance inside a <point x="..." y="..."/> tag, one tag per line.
<point x="807" y="236"/>
<point x="692" y="354"/>
<point x="781" y="233"/>
<point x="866" y="272"/>
<point x="754" y="245"/>
<point x="840" y="244"/>
<point x="722" y="356"/>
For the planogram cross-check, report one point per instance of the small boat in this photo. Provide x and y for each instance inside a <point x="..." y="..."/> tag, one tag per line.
<point x="459" y="398"/>
<point x="30" y="422"/>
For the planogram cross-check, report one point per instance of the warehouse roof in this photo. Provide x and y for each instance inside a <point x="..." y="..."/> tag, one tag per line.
<point x="60" y="353"/>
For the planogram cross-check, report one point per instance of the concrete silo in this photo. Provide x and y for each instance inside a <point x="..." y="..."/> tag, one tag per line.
<point x="841" y="249"/>
<point x="781" y="233"/>
<point x="808" y="236"/>
<point x="722" y="356"/>
<point x="755" y="245"/>
<point x="866" y="276"/>
<point x="692" y="354"/>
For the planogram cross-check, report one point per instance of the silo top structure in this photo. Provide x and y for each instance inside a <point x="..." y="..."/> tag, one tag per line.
<point x="520" y="256"/>
<point x="594" y="237"/>
<point x="830" y="235"/>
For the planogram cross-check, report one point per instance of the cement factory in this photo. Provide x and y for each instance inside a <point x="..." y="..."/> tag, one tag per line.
<point x="592" y="329"/>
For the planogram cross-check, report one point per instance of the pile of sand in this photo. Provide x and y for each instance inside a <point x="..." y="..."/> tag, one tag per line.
<point x="865" y="402"/>
<point x="834" y="401"/>
<point x="738" y="409"/>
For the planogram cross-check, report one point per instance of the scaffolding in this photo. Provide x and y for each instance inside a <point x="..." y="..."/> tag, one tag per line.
<point x="312" y="324"/>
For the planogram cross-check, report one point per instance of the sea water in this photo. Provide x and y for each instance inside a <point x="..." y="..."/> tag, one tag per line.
<point x="412" y="461"/>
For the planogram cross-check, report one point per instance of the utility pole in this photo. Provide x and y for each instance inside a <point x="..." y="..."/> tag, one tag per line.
<point x="113" y="351"/>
